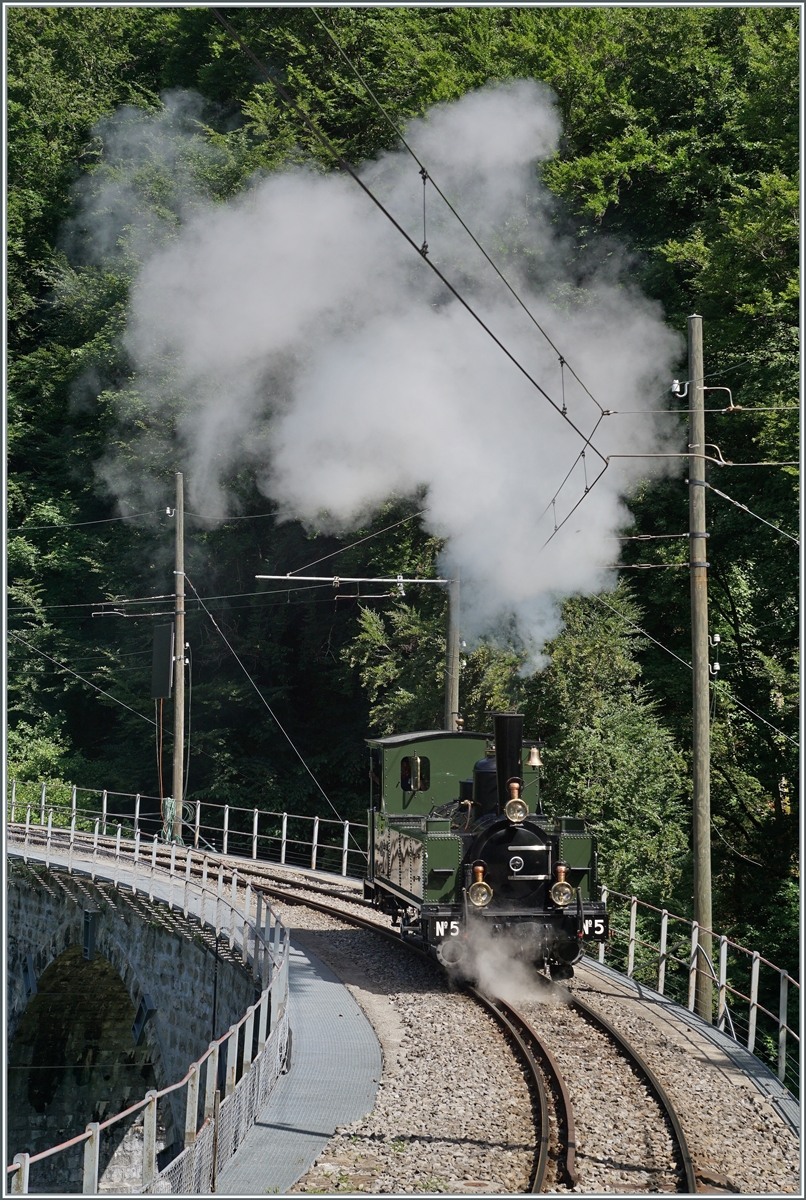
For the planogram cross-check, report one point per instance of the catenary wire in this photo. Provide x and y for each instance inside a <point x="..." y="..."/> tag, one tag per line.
<point x="744" y="508"/>
<point x="714" y="682"/>
<point x="76" y="524"/>
<point x="62" y="667"/>
<point x="352" y="544"/>
<point x="287" y="736"/>
<point x="286" y="97"/>
<point x="468" y="231"/>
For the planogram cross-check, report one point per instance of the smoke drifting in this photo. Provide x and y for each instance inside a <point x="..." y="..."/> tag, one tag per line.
<point x="306" y="338"/>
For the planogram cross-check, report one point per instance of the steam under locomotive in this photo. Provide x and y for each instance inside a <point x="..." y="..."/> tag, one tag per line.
<point x="459" y="845"/>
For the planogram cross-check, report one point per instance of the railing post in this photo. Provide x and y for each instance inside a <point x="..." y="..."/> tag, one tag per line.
<point x="314" y="843"/>
<point x="150" y="1140"/>
<point x="92" y="1146"/>
<point x="117" y="855"/>
<point x="171" y="876"/>
<point x="13" y="814"/>
<point x="188" y="861"/>
<point x="137" y="814"/>
<point x="73" y="804"/>
<point x="692" y="965"/>
<point x="27" y="833"/>
<point x="219" y="898"/>
<point x="664" y="933"/>
<point x="283" y="838"/>
<point x="211" y="1081"/>
<point x="198" y="824"/>
<point x="751" y="1024"/>
<point x="94" y="849"/>
<point x="103" y="810"/>
<point x="783" y="999"/>
<point x="153" y="867"/>
<point x="232" y="907"/>
<point x="50" y="831"/>
<point x="42" y="804"/>
<point x="631" y="942"/>
<point x="232" y="1061"/>
<point x="248" y="1038"/>
<point x="192" y="1108"/>
<point x="136" y="860"/>
<point x="247" y="908"/>
<point x="258" y="917"/>
<point x="266" y="946"/>
<point x="344" y="843"/>
<point x="254" y="834"/>
<point x="722" y="985"/>
<point x="72" y="840"/>
<point x="19" y="1180"/>
<point x="263" y="1020"/>
<point x="226" y="828"/>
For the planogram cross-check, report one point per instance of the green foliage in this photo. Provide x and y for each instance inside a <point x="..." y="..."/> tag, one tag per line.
<point x="680" y="150"/>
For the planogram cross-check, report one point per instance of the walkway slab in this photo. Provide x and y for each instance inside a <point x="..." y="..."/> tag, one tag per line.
<point x="335" y="1068"/>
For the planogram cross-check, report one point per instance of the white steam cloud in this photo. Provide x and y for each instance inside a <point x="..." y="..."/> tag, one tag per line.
<point x="307" y="338"/>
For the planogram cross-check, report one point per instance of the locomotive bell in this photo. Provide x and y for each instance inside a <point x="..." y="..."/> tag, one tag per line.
<point x="534" y="759"/>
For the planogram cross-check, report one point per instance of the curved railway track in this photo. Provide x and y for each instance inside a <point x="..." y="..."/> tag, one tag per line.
<point x="553" y="1114"/>
<point x="547" y="1083"/>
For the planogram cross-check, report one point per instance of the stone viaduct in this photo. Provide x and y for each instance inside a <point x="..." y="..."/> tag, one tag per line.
<point x="72" y="1056"/>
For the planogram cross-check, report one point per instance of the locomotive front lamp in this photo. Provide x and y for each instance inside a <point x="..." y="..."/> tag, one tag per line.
<point x="515" y="809"/>
<point x="561" y="892"/>
<point x="479" y="892"/>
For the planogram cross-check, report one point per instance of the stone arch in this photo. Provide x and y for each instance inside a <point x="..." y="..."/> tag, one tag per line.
<point x="73" y="1060"/>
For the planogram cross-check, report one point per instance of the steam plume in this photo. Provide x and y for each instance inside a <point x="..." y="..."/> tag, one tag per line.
<point x="306" y="338"/>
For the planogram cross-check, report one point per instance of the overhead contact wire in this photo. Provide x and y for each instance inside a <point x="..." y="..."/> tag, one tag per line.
<point x="284" y="95"/>
<point x="447" y="202"/>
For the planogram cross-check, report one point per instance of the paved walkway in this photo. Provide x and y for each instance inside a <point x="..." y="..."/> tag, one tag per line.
<point x="335" y="1068"/>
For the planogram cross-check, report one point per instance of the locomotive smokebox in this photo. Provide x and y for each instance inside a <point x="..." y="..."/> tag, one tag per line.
<point x="508" y="732"/>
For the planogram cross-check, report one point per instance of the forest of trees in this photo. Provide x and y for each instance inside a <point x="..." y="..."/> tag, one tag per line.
<point x="680" y="143"/>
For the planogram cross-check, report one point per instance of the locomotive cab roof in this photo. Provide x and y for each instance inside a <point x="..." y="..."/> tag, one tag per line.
<point x="425" y="735"/>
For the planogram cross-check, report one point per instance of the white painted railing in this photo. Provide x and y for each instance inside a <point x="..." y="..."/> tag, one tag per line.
<point x="673" y="971"/>
<point x="260" y="1035"/>
<point x="229" y="829"/>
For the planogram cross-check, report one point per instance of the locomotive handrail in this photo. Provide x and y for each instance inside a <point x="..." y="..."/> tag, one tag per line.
<point x="783" y="1057"/>
<point x="269" y="965"/>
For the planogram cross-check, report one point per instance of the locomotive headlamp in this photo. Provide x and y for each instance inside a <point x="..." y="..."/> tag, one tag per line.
<point x="515" y="809"/>
<point x="479" y="892"/>
<point x="561" y="892"/>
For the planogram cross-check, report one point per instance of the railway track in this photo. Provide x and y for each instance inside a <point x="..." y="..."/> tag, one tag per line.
<point x="555" y="1160"/>
<point x="554" y="1119"/>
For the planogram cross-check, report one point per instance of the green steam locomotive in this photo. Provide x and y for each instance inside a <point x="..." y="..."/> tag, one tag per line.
<point x="460" y="851"/>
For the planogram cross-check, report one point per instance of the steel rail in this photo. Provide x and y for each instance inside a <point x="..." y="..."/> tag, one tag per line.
<point x="562" y="1100"/>
<point x="521" y="1033"/>
<point x="656" y="1087"/>
<point x="512" y="1022"/>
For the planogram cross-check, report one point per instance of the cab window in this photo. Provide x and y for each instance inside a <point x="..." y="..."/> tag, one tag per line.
<point x="415" y="773"/>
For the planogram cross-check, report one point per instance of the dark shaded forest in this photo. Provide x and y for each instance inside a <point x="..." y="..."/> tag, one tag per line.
<point x="680" y="144"/>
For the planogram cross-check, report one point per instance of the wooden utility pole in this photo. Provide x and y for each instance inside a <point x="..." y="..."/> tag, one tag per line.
<point x="452" y="657"/>
<point x="701" y="738"/>
<point x="179" y="659"/>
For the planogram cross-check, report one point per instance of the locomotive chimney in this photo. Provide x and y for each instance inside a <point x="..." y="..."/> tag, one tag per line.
<point x="508" y="731"/>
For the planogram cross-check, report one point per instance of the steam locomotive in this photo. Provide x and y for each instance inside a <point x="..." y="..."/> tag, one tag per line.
<point x="460" y="851"/>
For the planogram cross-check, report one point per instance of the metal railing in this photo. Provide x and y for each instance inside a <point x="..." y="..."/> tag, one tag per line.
<point x="228" y="829"/>
<point x="254" y="1049"/>
<point x="671" y="963"/>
